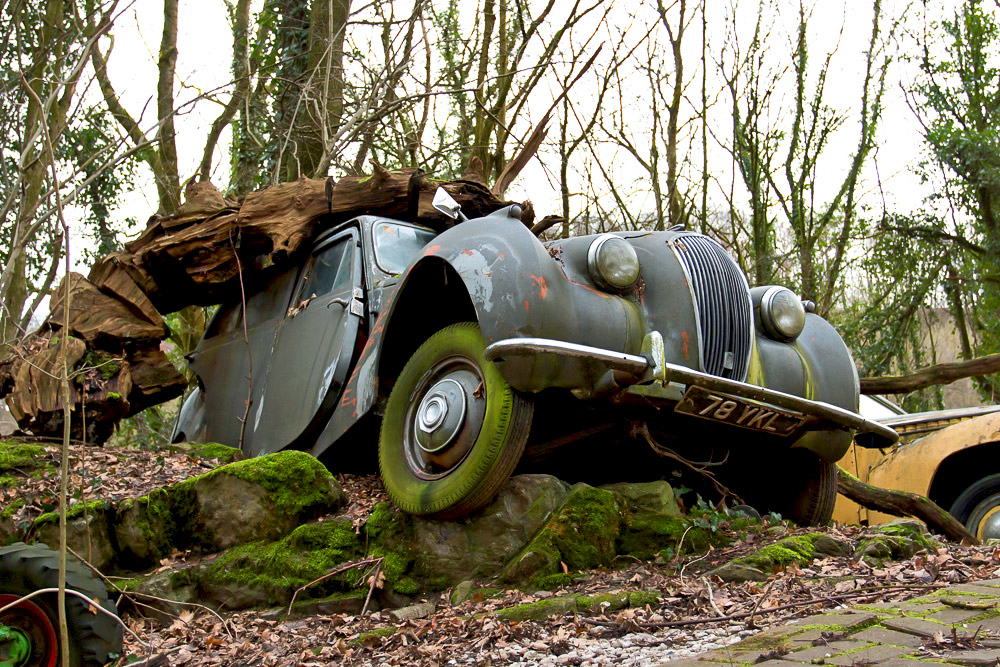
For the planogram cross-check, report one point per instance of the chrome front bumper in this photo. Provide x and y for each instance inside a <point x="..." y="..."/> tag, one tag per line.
<point x="651" y="366"/>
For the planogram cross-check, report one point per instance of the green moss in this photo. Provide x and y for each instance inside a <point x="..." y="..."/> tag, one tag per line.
<point x="581" y="534"/>
<point x="564" y="604"/>
<point x="20" y="456"/>
<point x="646" y="533"/>
<point x="306" y="554"/>
<point x="114" y="394"/>
<point x="602" y="603"/>
<point x="797" y="549"/>
<point x="91" y="507"/>
<point x="537" y="611"/>
<point x="9" y="481"/>
<point x="550" y="582"/>
<point x="14" y="505"/>
<point x="294" y="480"/>
<point x="106" y="365"/>
<point x="406" y="586"/>
<point x="390" y="536"/>
<point x="643" y="598"/>
<point x="214" y="450"/>
<point x="373" y="637"/>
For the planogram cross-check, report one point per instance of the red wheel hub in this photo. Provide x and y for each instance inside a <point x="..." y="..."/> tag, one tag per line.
<point x="34" y="623"/>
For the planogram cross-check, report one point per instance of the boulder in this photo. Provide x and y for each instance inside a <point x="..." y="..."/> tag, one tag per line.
<point x="656" y="496"/>
<point x="87" y="532"/>
<point x="481" y="545"/>
<point x="896" y="540"/>
<point x="259" y="499"/>
<point x="580" y="535"/>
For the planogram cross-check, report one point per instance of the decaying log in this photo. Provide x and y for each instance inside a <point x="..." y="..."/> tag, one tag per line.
<point x="194" y="257"/>
<point x="902" y="504"/>
<point x="932" y="375"/>
<point x="100" y="319"/>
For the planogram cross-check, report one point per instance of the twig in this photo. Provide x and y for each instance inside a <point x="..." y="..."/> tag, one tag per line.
<point x="711" y="598"/>
<point x="372" y="580"/>
<point x="335" y="571"/>
<point x="131" y="594"/>
<point x="721" y="489"/>
<point x="156" y="660"/>
<point x="680" y="542"/>
<point x="93" y="605"/>
<point x="691" y="562"/>
<point x="760" y="601"/>
<point x="790" y="605"/>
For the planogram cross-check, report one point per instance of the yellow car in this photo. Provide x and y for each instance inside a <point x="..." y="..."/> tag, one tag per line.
<point x="949" y="456"/>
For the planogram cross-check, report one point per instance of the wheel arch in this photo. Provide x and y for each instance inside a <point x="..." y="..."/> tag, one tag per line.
<point x="959" y="470"/>
<point x="433" y="297"/>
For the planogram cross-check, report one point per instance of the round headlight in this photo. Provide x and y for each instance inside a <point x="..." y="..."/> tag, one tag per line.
<point x="612" y="262"/>
<point x="782" y="313"/>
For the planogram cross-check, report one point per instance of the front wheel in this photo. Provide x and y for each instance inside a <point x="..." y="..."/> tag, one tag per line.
<point x="978" y="507"/>
<point x="29" y="630"/>
<point x="453" y="429"/>
<point x="795" y="483"/>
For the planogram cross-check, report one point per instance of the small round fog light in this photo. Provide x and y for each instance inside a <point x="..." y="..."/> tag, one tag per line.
<point x="612" y="262"/>
<point x="782" y="314"/>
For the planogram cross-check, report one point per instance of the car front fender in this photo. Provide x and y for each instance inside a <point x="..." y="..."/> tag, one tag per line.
<point x="516" y="289"/>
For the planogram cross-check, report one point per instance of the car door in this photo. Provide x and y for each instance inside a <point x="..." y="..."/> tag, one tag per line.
<point x="313" y="347"/>
<point x="231" y="358"/>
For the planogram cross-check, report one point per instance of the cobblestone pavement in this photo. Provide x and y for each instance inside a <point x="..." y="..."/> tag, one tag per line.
<point x="959" y="625"/>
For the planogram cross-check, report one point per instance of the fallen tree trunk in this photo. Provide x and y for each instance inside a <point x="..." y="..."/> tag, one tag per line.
<point x="902" y="504"/>
<point x="197" y="256"/>
<point x="932" y="375"/>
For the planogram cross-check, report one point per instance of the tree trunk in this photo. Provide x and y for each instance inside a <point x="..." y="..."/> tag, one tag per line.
<point x="903" y="504"/>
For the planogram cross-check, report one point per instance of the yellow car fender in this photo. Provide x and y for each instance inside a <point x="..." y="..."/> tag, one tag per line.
<point x="915" y="466"/>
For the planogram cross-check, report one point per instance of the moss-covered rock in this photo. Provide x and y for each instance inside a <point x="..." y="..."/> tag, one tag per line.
<point x="581" y="534"/>
<point x="254" y="500"/>
<point x="896" y="540"/>
<point x="21" y="456"/>
<point x="565" y="604"/>
<point x="647" y="533"/>
<point x="657" y="496"/>
<point x="795" y="549"/>
<point x="268" y="573"/>
<point x="211" y="451"/>
<point x="88" y="532"/>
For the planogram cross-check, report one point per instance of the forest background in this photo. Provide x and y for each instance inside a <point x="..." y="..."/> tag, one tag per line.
<point x="848" y="150"/>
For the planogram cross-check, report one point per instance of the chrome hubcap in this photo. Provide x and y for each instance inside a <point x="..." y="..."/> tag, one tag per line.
<point x="446" y="413"/>
<point x="989" y="525"/>
<point x="440" y="416"/>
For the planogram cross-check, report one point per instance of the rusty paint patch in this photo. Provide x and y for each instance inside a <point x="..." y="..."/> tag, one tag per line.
<point x="686" y="345"/>
<point x="542" y="287"/>
<point x="430" y="250"/>
<point x="527" y="306"/>
<point x="467" y="252"/>
<point x="501" y="255"/>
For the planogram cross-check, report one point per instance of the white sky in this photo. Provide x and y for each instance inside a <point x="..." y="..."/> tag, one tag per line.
<point x="204" y="64"/>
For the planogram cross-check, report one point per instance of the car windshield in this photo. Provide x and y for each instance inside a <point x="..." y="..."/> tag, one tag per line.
<point x="396" y="245"/>
<point x="878" y="408"/>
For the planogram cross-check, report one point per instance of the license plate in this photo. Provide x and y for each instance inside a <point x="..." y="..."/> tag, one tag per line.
<point x="736" y="411"/>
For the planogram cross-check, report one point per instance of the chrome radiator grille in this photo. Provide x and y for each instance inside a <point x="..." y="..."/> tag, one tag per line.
<point x="722" y="302"/>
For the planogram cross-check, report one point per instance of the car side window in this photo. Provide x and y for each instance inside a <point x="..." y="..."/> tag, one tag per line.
<point x="226" y="319"/>
<point x="329" y="270"/>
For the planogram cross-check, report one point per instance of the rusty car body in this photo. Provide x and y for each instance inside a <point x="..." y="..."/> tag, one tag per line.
<point x="945" y="455"/>
<point x="446" y="344"/>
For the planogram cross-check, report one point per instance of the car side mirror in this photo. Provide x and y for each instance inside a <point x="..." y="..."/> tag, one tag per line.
<point x="447" y="205"/>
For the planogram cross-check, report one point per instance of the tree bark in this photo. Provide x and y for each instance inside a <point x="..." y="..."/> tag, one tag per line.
<point x="932" y="375"/>
<point x="903" y="504"/>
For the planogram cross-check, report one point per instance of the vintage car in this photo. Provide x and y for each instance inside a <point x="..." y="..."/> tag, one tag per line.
<point x="945" y="455"/>
<point x="446" y="345"/>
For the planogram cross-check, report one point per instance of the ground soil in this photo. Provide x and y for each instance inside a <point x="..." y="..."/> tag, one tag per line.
<point x="694" y="613"/>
